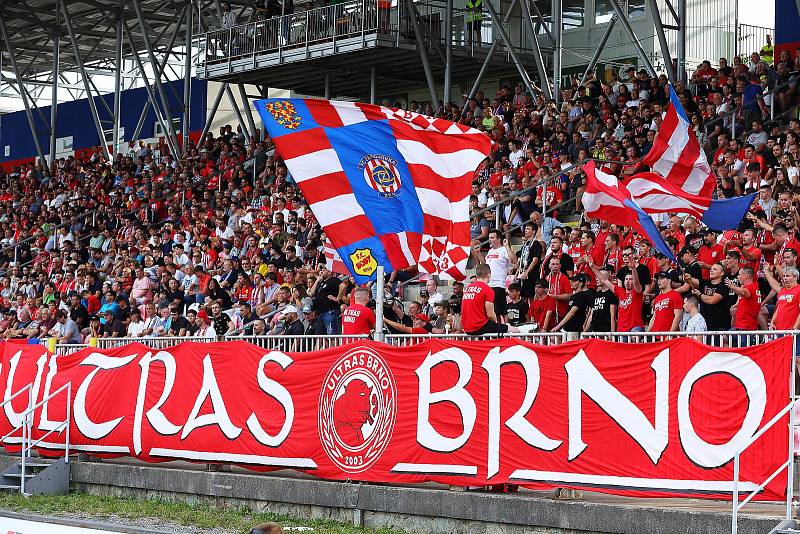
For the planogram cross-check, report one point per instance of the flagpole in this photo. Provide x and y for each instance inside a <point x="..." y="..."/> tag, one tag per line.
<point x="379" y="300"/>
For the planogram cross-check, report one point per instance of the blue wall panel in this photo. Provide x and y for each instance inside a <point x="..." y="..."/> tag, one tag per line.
<point x="75" y="119"/>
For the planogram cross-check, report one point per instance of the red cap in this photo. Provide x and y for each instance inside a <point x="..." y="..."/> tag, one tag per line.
<point x="422" y="317"/>
<point x="202" y="314"/>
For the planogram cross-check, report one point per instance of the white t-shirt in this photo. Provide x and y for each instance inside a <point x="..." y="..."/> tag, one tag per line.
<point x="498" y="261"/>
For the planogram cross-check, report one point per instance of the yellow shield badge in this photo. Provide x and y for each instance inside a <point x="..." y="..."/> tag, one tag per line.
<point x="363" y="262"/>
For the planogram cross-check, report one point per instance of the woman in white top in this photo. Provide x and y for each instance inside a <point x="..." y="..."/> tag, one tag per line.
<point x="136" y="326"/>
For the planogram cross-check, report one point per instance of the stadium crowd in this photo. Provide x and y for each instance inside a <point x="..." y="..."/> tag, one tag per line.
<point x="221" y="241"/>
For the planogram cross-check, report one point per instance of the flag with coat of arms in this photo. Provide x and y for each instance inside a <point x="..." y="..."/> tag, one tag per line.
<point x="389" y="187"/>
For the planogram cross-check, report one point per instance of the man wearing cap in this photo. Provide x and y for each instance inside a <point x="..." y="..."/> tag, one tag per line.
<point x="577" y="306"/>
<point x="692" y="272"/>
<point x="204" y="326"/>
<point x="421" y="324"/>
<point x="314" y="326"/>
<point x="294" y="326"/>
<point x="357" y="319"/>
<point x="477" y="306"/>
<point x="667" y="307"/>
<point x="112" y="326"/>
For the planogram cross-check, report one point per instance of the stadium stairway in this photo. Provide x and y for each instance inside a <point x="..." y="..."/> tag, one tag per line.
<point x="42" y="477"/>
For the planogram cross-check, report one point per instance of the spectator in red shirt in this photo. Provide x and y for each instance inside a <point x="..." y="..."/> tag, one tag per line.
<point x="787" y="310"/>
<point x="748" y="304"/>
<point x="357" y="319"/>
<point x="710" y="253"/>
<point x="667" y="307"/>
<point x="630" y="298"/>
<point x="477" y="306"/>
<point x="542" y="309"/>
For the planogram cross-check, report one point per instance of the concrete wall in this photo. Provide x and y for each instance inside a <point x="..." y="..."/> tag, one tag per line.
<point x="414" y="509"/>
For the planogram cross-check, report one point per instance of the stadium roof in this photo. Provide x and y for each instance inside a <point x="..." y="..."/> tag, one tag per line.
<point x="31" y="25"/>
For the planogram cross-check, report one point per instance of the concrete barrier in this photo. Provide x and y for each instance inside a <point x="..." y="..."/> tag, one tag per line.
<point x="419" y="509"/>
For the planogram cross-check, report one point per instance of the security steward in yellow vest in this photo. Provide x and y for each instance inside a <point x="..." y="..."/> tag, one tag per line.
<point x="474" y="19"/>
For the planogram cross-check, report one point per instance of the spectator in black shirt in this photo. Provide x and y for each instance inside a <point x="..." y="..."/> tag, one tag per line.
<point x="713" y="295"/>
<point x="578" y="306"/>
<point x="112" y="327"/>
<point x="315" y="326"/>
<point x="692" y="272"/>
<point x="517" y="306"/>
<point x="326" y="294"/>
<point x="77" y="311"/>
<point x="603" y="315"/>
<point x="221" y="320"/>
<point x="294" y="326"/>
<point x="178" y="324"/>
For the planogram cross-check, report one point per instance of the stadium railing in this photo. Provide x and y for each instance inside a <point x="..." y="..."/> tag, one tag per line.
<point x="320" y="342"/>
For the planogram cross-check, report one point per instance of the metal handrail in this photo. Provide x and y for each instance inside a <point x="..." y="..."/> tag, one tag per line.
<point x="27" y="423"/>
<point x="735" y="504"/>
<point x="11" y="398"/>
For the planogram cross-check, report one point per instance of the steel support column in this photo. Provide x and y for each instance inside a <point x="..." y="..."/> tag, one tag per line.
<point x="681" y="48"/>
<point x="327" y="93"/>
<point x="558" y="32"/>
<point x="187" y="77"/>
<point x="235" y="108"/>
<point x="448" y="52"/>
<point x="662" y="40"/>
<point x="599" y="50"/>
<point x="157" y="77"/>
<point x="213" y="111"/>
<point x="489" y="56"/>
<point x="537" y="52"/>
<point x="54" y="96"/>
<point x="118" y="83"/>
<point x="150" y="94"/>
<point x="160" y="70"/>
<point x="498" y="26"/>
<point x="22" y="92"/>
<point x="634" y="39"/>
<point x="541" y="20"/>
<point x="373" y="85"/>
<point x="85" y="78"/>
<point x="248" y="113"/>
<point x="423" y="55"/>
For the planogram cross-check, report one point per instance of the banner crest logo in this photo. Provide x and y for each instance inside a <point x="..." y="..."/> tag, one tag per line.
<point x="357" y="410"/>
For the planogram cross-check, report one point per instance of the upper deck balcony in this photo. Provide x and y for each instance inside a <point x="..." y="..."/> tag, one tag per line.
<point x="342" y="42"/>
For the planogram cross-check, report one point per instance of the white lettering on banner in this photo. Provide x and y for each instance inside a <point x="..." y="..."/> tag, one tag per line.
<point x="87" y="427"/>
<point x="45" y="424"/>
<point x="746" y="371"/>
<point x="493" y="363"/>
<point x="584" y="377"/>
<point x="15" y="417"/>
<point x="427" y="436"/>
<point x="277" y="392"/>
<point x="154" y="415"/>
<point x="219" y="416"/>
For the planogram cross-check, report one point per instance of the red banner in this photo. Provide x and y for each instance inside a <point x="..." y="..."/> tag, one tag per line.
<point x="654" y="419"/>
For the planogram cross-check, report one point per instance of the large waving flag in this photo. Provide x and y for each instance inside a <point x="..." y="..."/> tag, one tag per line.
<point x="631" y="203"/>
<point x="605" y="198"/>
<point x="676" y="154"/>
<point x="389" y="187"/>
<point x="655" y="195"/>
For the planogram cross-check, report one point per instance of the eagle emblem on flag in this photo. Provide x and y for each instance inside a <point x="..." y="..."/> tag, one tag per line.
<point x="284" y="114"/>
